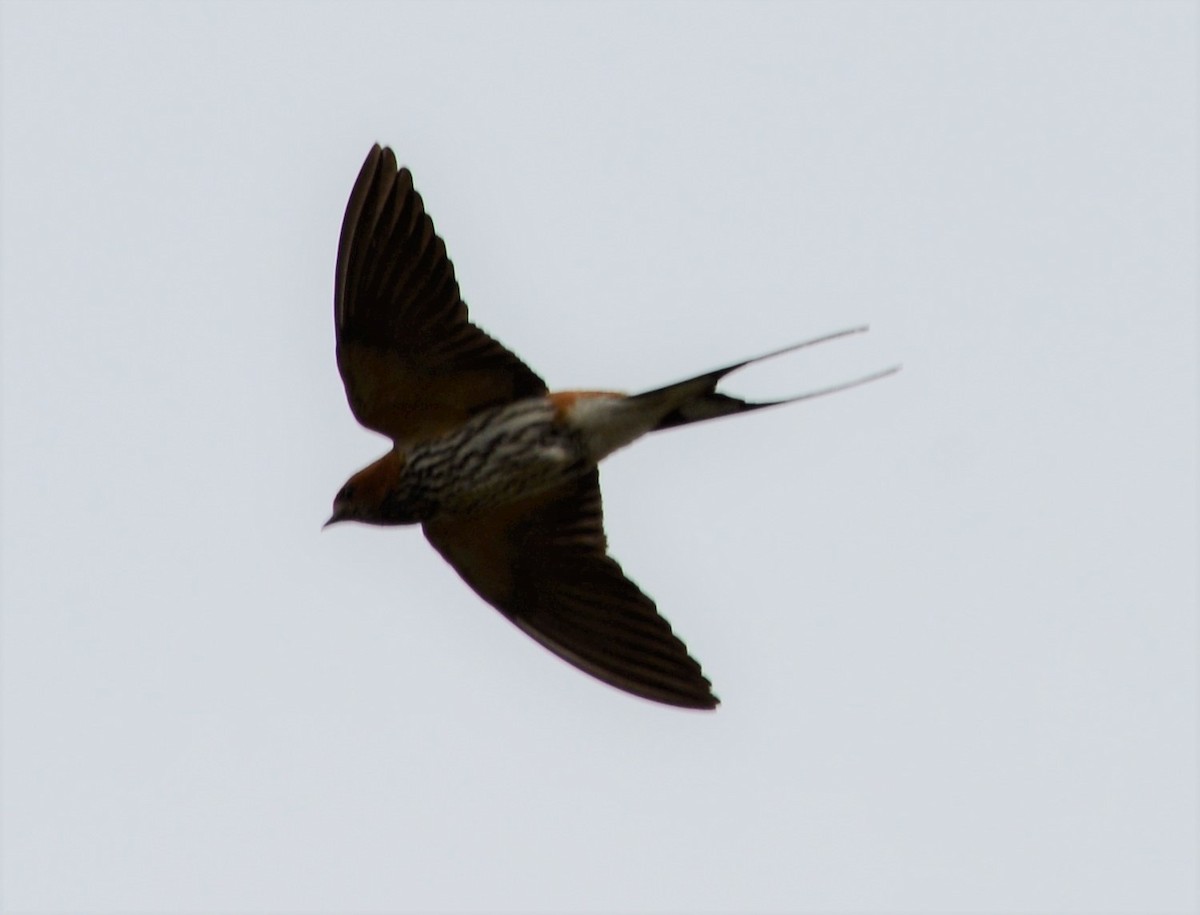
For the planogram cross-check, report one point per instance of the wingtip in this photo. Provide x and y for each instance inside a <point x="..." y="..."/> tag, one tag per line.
<point x="698" y="700"/>
<point x="373" y="156"/>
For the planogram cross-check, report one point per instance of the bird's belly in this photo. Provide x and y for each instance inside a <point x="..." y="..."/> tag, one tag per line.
<point x="498" y="457"/>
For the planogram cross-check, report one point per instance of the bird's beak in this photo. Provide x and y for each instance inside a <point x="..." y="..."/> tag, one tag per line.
<point x="333" y="519"/>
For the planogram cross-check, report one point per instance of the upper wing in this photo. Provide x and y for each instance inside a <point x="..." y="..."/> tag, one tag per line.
<point x="413" y="365"/>
<point x="542" y="563"/>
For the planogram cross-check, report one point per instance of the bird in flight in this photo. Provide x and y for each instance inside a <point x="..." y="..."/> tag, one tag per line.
<point x="500" y="472"/>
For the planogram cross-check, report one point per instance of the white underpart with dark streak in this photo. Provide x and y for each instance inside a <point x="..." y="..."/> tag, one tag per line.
<point x="498" y="457"/>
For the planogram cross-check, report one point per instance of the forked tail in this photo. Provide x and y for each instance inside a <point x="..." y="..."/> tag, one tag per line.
<point x="697" y="399"/>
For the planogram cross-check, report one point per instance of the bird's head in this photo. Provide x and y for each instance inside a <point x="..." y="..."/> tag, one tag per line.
<point x="376" y="495"/>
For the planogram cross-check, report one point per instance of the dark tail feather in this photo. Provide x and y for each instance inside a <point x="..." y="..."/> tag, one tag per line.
<point x="697" y="399"/>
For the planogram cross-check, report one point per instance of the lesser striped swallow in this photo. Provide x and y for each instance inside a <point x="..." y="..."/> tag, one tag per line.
<point x="501" y="473"/>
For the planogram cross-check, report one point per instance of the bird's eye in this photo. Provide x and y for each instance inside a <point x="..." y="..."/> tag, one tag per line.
<point x="346" y="494"/>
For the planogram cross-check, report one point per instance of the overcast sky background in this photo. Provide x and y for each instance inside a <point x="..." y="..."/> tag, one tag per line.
<point x="951" y="615"/>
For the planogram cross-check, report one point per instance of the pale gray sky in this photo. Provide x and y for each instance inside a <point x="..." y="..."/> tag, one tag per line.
<point x="951" y="616"/>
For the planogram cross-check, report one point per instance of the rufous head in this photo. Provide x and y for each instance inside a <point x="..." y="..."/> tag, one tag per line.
<point x="375" y="495"/>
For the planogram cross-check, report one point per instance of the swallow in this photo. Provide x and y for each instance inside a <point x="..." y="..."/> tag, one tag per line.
<point x="501" y="473"/>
